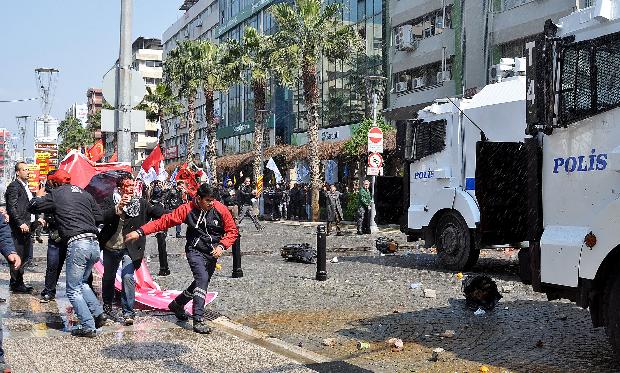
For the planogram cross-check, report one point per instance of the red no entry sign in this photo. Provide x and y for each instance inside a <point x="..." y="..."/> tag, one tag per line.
<point x="375" y="135"/>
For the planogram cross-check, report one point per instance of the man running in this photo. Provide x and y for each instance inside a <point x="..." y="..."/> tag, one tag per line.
<point x="211" y="229"/>
<point x="246" y="195"/>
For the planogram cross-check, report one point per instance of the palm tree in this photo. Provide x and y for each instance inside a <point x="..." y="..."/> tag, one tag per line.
<point x="183" y="71"/>
<point x="218" y="71"/>
<point x="159" y="103"/>
<point x="316" y="31"/>
<point x="263" y="59"/>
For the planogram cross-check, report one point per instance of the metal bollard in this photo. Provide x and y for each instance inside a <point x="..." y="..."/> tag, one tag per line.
<point x="237" y="272"/>
<point x="321" y="253"/>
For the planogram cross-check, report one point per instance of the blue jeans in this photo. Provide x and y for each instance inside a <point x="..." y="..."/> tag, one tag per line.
<point x="82" y="254"/>
<point x="111" y="261"/>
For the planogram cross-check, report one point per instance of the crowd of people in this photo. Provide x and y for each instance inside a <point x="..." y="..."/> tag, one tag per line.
<point x="82" y="232"/>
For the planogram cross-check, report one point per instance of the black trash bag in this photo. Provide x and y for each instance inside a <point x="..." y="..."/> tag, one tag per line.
<point x="481" y="292"/>
<point x="301" y="253"/>
<point x="386" y="245"/>
<point x="102" y="185"/>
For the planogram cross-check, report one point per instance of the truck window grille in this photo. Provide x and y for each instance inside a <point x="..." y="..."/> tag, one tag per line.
<point x="430" y="138"/>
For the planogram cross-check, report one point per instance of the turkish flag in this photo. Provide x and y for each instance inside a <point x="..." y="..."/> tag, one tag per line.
<point x="82" y="170"/>
<point x="96" y="152"/>
<point x="153" y="160"/>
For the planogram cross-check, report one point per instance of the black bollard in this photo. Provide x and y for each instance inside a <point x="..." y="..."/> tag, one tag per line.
<point x="237" y="272"/>
<point x="321" y="253"/>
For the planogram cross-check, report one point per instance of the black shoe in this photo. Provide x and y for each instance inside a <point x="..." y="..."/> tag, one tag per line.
<point x="108" y="311"/>
<point x="46" y="298"/>
<point x="359" y="233"/>
<point x="201" y="327"/>
<point x="129" y="319"/>
<point x="39" y="240"/>
<point x="79" y="332"/>
<point x="101" y="320"/>
<point x="179" y="236"/>
<point x="21" y="289"/>
<point x="2" y="300"/>
<point x="164" y="272"/>
<point x="178" y="310"/>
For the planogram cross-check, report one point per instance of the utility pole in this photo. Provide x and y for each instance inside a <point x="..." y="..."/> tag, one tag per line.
<point x="22" y="122"/>
<point x="123" y="85"/>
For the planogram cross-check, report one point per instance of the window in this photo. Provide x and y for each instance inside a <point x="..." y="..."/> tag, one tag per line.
<point x="153" y="63"/>
<point x="428" y="138"/>
<point x="589" y="78"/>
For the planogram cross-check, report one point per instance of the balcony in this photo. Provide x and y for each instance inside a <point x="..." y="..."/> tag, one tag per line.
<point x="429" y="50"/>
<point x="404" y="10"/>
<point x="404" y="105"/>
<point x="528" y="18"/>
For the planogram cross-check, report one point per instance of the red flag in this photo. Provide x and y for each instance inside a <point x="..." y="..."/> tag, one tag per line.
<point x="96" y="152"/>
<point x="114" y="157"/>
<point x="153" y="160"/>
<point x="82" y="170"/>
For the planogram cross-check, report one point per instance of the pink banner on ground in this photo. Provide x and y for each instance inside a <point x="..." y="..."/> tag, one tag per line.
<point x="148" y="291"/>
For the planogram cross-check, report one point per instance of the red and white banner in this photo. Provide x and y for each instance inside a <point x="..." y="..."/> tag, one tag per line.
<point x="82" y="170"/>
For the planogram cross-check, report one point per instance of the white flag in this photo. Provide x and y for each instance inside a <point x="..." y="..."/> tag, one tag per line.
<point x="271" y="164"/>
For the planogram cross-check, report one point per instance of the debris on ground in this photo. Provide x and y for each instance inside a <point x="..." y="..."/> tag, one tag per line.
<point x="300" y="344"/>
<point x="484" y="369"/>
<point x="218" y="267"/>
<point x="361" y="345"/>
<point x="448" y="334"/>
<point x="415" y="285"/>
<point x="459" y="276"/>
<point x="480" y="312"/>
<point x="329" y="342"/>
<point x="480" y="292"/>
<point x="540" y="344"/>
<point x="334" y="259"/>
<point x="436" y="353"/>
<point x="301" y="253"/>
<point x="396" y="344"/>
<point x="507" y="289"/>
<point x="386" y="245"/>
<point x="430" y="293"/>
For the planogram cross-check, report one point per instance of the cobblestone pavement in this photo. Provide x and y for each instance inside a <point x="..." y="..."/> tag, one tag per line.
<point x="367" y="297"/>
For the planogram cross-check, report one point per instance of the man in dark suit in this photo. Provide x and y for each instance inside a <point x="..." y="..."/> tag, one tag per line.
<point x="17" y="198"/>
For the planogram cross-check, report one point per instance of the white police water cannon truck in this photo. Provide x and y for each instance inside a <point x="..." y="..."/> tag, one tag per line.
<point x="440" y="155"/>
<point x="562" y="185"/>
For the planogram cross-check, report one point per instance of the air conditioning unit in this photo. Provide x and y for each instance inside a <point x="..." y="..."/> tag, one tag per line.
<point x="502" y="70"/>
<point x="404" y="38"/>
<point x="443" y="76"/>
<point x="418" y="83"/>
<point x="401" y="87"/>
<point x="520" y="66"/>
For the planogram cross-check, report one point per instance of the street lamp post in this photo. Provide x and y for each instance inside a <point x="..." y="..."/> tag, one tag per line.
<point x="123" y="96"/>
<point x="375" y="86"/>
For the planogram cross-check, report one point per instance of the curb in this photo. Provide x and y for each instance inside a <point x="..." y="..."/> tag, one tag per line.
<point x="295" y="353"/>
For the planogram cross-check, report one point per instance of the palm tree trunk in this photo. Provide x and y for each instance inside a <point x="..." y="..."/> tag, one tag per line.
<point x="258" y="88"/>
<point x="311" y="97"/>
<point x="211" y="135"/>
<point x="191" y="128"/>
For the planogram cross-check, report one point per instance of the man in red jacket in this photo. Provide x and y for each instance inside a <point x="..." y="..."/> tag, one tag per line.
<point x="211" y="229"/>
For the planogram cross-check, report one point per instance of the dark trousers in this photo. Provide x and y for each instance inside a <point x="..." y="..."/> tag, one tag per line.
<point x="248" y="210"/>
<point x="202" y="266"/>
<point x="161" y="249"/>
<point x="23" y="248"/>
<point x="363" y="219"/>
<point x="111" y="260"/>
<point x="56" y="255"/>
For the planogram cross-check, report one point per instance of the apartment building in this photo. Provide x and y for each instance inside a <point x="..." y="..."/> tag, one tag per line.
<point x="94" y="100"/>
<point x="199" y="21"/>
<point x="441" y="48"/>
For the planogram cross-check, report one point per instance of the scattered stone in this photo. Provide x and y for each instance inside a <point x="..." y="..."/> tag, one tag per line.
<point x="507" y="289"/>
<point x="540" y="344"/>
<point x="329" y="342"/>
<point x="436" y="353"/>
<point x="480" y="312"/>
<point x="334" y="260"/>
<point x="430" y="293"/>
<point x="448" y="334"/>
<point x="361" y="345"/>
<point x="415" y="285"/>
<point x="300" y="344"/>
<point x="396" y="344"/>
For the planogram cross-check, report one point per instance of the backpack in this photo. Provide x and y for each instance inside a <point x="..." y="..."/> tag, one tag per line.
<point x="386" y="245"/>
<point x="301" y="253"/>
<point x="481" y="292"/>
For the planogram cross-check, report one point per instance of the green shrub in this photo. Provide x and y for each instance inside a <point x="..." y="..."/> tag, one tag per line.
<point x="350" y="213"/>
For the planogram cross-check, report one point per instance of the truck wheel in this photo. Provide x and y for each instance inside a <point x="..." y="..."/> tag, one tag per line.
<point x="455" y="243"/>
<point x="613" y="313"/>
